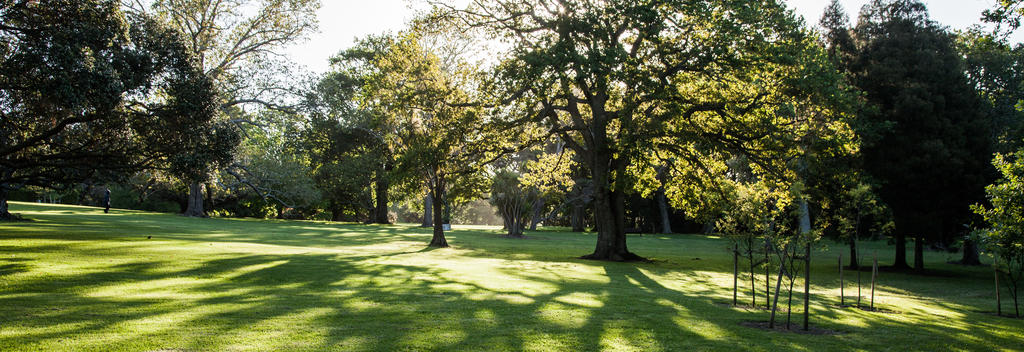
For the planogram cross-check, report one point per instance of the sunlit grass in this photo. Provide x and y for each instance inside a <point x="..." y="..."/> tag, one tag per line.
<point x="77" y="279"/>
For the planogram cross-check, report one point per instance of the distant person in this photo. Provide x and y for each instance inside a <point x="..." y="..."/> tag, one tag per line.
<point x="106" y="201"/>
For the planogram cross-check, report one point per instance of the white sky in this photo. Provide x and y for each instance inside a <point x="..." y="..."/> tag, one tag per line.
<point x="342" y="21"/>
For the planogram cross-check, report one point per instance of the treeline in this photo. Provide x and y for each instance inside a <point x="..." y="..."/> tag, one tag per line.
<point x="613" y="116"/>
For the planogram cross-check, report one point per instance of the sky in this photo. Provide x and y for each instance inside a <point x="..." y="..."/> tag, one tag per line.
<point x="342" y="21"/>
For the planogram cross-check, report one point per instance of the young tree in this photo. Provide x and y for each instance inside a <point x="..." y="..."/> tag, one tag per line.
<point x="76" y="96"/>
<point x="1004" y="238"/>
<point x="628" y="85"/>
<point x="746" y="221"/>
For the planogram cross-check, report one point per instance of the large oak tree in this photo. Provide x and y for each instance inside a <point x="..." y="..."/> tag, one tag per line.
<point x="630" y="85"/>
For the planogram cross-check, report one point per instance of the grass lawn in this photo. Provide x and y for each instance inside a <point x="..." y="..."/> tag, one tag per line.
<point x="78" y="279"/>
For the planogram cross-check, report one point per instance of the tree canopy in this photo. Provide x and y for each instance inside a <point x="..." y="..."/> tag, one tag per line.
<point x="101" y="93"/>
<point x="627" y="85"/>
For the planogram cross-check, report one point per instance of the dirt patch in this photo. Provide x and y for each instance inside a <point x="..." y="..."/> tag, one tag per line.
<point x="865" y="308"/>
<point x="879" y="310"/>
<point x="523" y="237"/>
<point x="794" y="328"/>
<point x="749" y="307"/>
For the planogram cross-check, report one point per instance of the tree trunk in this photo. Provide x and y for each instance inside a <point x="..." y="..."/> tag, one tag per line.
<point x="609" y="218"/>
<point x="195" y="200"/>
<point x="5" y="213"/>
<point x="335" y="212"/>
<point x="666" y="223"/>
<point x="789" y="303"/>
<point x="87" y="189"/>
<point x="900" y="262"/>
<point x="999" y="302"/>
<point x="735" y="273"/>
<point x="767" y="274"/>
<point x="209" y="197"/>
<point x="971" y="253"/>
<point x="428" y="218"/>
<point x="438" y="240"/>
<point x="538" y="205"/>
<point x="579" y="212"/>
<point x="919" y="253"/>
<point x="854" y="264"/>
<point x="380" y="212"/>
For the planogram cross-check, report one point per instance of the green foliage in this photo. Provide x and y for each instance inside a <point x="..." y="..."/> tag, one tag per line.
<point x="513" y="199"/>
<point x="1004" y="237"/>
<point x="996" y="69"/>
<point x="342" y="164"/>
<point x="97" y="97"/>
<point x="631" y="85"/>
<point x="272" y="165"/>
<point x="928" y="159"/>
<point x="1005" y="215"/>
<point x="1005" y="13"/>
<point x="234" y="42"/>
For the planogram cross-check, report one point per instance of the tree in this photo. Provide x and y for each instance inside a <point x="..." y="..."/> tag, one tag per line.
<point x="443" y="141"/>
<point x="233" y="40"/>
<point x="996" y="70"/>
<point x="272" y="165"/>
<point x="341" y="98"/>
<point x="1004" y="238"/>
<point x="102" y="93"/>
<point x="342" y="167"/>
<point x="746" y="220"/>
<point x="628" y="85"/>
<point x="1005" y="13"/>
<point x="513" y="201"/>
<point x="927" y="161"/>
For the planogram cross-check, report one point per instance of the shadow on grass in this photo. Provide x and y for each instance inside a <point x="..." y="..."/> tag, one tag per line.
<point x="352" y="301"/>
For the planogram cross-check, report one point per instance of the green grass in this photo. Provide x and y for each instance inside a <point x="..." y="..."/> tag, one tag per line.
<point x="78" y="279"/>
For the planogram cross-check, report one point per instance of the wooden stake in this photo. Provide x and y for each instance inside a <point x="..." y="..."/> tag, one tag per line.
<point x="778" y="285"/>
<point x="999" y="303"/>
<point x="735" y="271"/>
<point x="859" y="267"/>
<point x="874" y="276"/>
<point x="767" y="276"/>
<point x="753" y="276"/>
<point x="807" y="286"/>
<point x="842" y="294"/>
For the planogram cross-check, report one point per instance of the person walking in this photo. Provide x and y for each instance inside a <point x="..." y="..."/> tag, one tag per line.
<point x="106" y="201"/>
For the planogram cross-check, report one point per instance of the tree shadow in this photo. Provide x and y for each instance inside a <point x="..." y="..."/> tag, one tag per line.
<point x="354" y="287"/>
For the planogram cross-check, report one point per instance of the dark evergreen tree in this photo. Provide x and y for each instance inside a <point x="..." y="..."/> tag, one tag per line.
<point x="929" y="158"/>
